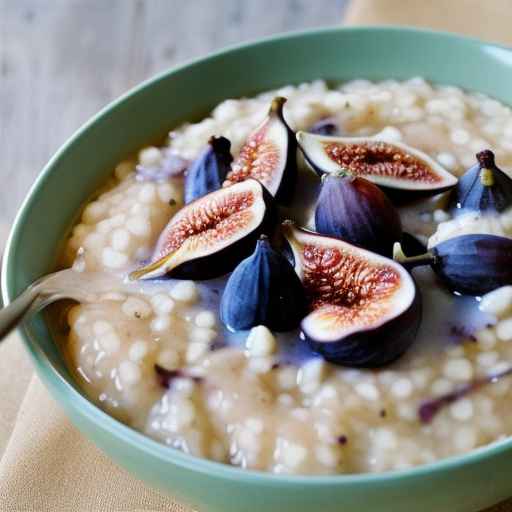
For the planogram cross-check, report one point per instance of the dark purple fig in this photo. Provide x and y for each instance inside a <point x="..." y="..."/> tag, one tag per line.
<point x="209" y="170"/>
<point x="269" y="155"/>
<point x="208" y="237"/>
<point x="467" y="264"/>
<point x="412" y="245"/>
<point x="263" y="290"/>
<point x="326" y="126"/>
<point x="357" y="211"/>
<point x="365" y="310"/>
<point x="483" y="188"/>
<point x="393" y="166"/>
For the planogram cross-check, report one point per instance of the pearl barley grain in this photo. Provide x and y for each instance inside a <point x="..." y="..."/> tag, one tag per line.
<point x="120" y="239"/>
<point x="367" y="390"/>
<point x="504" y="329"/>
<point x="160" y="324"/>
<point x="150" y="156"/>
<point x="458" y="369"/>
<point x="162" y="304"/>
<point x="113" y="259"/>
<point x="260" y="342"/>
<point x="498" y="302"/>
<point x="138" y="350"/>
<point x="205" y="319"/>
<point x="129" y="373"/>
<point x="185" y="291"/>
<point x="134" y="307"/>
<point x="195" y="351"/>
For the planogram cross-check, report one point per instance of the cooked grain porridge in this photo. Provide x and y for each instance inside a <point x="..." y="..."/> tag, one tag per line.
<point x="155" y="355"/>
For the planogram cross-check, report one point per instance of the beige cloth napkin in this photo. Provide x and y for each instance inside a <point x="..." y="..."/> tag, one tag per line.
<point x="47" y="466"/>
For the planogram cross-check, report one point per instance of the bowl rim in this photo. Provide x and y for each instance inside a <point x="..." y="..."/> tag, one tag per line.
<point x="138" y="441"/>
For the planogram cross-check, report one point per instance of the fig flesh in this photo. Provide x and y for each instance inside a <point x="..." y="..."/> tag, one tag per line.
<point x="484" y="188"/>
<point x="365" y="310"/>
<point x="263" y="290"/>
<point x="468" y="264"/>
<point x="208" y="237"/>
<point x="209" y="170"/>
<point x="357" y="211"/>
<point x="269" y="155"/>
<point x="392" y="165"/>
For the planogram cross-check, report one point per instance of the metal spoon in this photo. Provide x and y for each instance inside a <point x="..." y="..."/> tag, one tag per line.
<point x="64" y="284"/>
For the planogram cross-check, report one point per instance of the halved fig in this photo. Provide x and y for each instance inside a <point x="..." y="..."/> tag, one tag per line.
<point x="365" y="309"/>
<point x="269" y="155"/>
<point x="390" y="165"/>
<point x="357" y="211"/>
<point x="467" y="264"/>
<point x="209" y="170"/>
<point x="208" y="237"/>
<point x="484" y="188"/>
<point x="263" y="290"/>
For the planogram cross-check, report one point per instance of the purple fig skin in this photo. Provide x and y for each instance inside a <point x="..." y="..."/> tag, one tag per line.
<point x="374" y="347"/>
<point x="483" y="188"/>
<point x="357" y="211"/>
<point x="473" y="264"/>
<point x="326" y="126"/>
<point x="209" y="170"/>
<point x="412" y="245"/>
<point x="263" y="290"/>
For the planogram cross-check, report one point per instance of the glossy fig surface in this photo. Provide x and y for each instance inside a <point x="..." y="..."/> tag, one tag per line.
<point x="357" y="211"/>
<point x="365" y="310"/>
<point x="326" y="126"/>
<point x="468" y="264"/>
<point x="208" y="237"/>
<point x="484" y="188"/>
<point x="263" y="290"/>
<point x="209" y="170"/>
<point x="269" y="155"/>
<point x="392" y="165"/>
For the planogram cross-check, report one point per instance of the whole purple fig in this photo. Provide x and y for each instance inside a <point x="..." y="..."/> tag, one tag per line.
<point x="357" y="211"/>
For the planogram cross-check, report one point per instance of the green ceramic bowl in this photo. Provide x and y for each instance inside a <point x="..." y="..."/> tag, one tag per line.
<point x="464" y="483"/>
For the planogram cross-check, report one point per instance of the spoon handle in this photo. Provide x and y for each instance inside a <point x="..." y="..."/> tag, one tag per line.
<point x="12" y="314"/>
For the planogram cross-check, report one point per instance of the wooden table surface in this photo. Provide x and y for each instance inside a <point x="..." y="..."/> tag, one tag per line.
<point x="62" y="60"/>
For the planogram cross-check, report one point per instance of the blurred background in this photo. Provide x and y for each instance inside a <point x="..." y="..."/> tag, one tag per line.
<point x="62" y="60"/>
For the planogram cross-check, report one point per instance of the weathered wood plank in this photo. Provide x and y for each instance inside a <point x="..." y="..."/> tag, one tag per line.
<point x="62" y="60"/>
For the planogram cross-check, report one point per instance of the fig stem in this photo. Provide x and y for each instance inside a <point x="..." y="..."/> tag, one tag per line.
<point x="411" y="261"/>
<point x="276" y="107"/>
<point x="486" y="177"/>
<point x="486" y="159"/>
<point x="338" y="173"/>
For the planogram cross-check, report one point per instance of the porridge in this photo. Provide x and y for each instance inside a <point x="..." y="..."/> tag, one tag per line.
<point x="157" y="355"/>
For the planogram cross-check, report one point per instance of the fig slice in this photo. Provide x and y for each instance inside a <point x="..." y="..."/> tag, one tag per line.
<point x="484" y="188"/>
<point x="208" y="171"/>
<point x="208" y="237"/>
<point x="365" y="309"/>
<point x="392" y="165"/>
<point x="269" y="155"/>
<point x="263" y="290"/>
<point x="468" y="264"/>
<point x="357" y="211"/>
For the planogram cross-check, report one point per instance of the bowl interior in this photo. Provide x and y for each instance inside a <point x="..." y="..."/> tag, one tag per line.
<point x="189" y="92"/>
